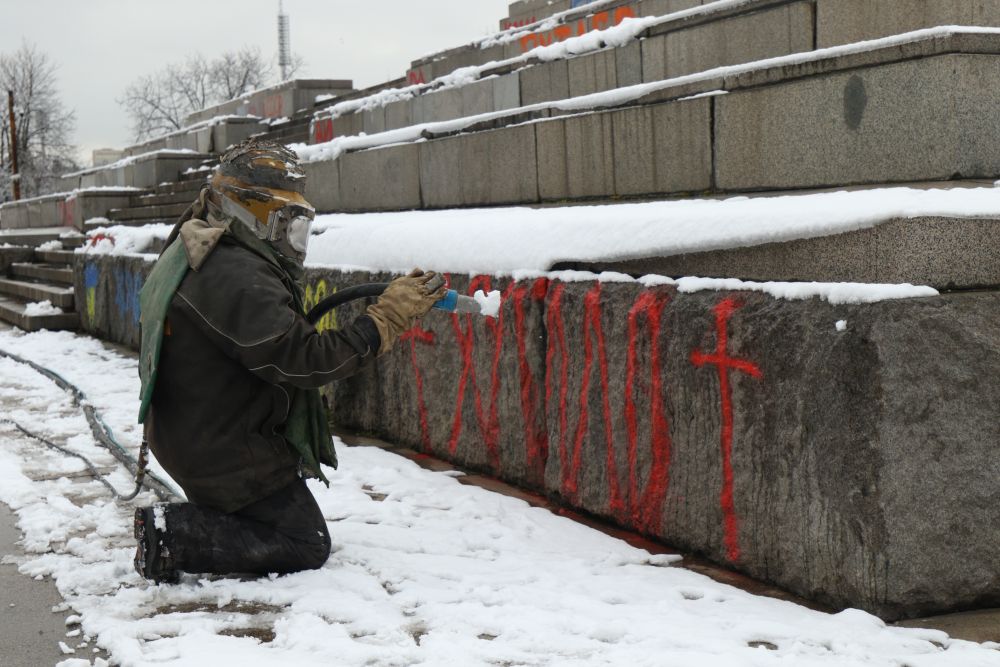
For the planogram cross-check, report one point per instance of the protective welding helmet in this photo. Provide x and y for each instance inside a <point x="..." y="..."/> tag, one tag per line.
<point x="259" y="183"/>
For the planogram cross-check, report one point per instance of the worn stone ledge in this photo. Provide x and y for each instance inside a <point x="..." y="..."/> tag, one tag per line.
<point x="921" y="110"/>
<point x="67" y="209"/>
<point x="843" y="452"/>
<point x="945" y="253"/>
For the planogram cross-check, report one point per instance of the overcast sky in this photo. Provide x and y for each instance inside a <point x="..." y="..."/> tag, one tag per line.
<point x="99" y="46"/>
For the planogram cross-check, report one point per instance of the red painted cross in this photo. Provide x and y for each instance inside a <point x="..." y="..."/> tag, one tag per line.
<point x="724" y="363"/>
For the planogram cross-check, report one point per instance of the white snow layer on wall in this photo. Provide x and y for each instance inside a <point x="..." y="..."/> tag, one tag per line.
<point x="506" y="240"/>
<point x="523" y="242"/>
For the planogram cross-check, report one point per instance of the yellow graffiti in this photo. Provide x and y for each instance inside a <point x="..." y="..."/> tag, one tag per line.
<point x="91" y="306"/>
<point x="315" y="293"/>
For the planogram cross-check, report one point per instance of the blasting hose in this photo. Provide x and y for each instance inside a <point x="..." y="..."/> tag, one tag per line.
<point x="102" y="434"/>
<point x="453" y="302"/>
<point x="367" y="290"/>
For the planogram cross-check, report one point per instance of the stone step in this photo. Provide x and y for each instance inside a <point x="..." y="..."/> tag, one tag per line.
<point x="197" y="175"/>
<point x="13" y="254"/>
<point x="147" y="212"/>
<point x="289" y="135"/>
<point x="707" y="37"/>
<point x="866" y="116"/>
<point x="177" y="187"/>
<point x="131" y="222"/>
<point x="12" y="312"/>
<point x="42" y="272"/>
<point x="183" y="197"/>
<point x="66" y="209"/>
<point x="55" y="256"/>
<point x="58" y="295"/>
<point x="75" y="241"/>
<point x="37" y="236"/>
<point x="711" y="33"/>
<point x="142" y="171"/>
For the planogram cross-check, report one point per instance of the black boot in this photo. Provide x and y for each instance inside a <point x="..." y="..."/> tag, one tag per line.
<point x="152" y="557"/>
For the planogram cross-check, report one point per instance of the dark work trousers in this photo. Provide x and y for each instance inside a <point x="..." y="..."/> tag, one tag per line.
<point x="284" y="532"/>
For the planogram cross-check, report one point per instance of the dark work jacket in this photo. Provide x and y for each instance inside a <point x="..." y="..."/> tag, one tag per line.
<point x="233" y="347"/>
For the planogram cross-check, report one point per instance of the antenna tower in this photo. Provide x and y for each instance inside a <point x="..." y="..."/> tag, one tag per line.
<point x="284" y="42"/>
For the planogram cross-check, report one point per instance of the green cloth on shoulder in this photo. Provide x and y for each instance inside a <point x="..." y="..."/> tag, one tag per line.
<point x="306" y="428"/>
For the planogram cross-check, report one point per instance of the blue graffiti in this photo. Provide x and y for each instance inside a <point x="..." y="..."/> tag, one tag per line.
<point x="90" y="276"/>
<point x="127" y="295"/>
<point x="579" y="3"/>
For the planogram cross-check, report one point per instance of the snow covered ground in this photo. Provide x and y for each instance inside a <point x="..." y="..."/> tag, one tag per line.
<point x="425" y="570"/>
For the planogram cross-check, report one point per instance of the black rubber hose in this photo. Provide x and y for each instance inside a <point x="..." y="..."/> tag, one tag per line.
<point x="341" y="297"/>
<point x="101" y="432"/>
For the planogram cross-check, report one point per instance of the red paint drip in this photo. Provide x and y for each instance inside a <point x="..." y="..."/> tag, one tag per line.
<point x="571" y="473"/>
<point x="724" y="363"/>
<point x="489" y="424"/>
<point x="557" y="343"/>
<point x="646" y="509"/>
<point x="536" y="435"/>
<point x="414" y="335"/>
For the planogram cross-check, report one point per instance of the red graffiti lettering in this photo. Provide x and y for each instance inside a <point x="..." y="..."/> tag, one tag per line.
<point x="507" y="25"/>
<point x="415" y="335"/>
<point x="322" y="130"/>
<point x="646" y="509"/>
<point x="488" y="420"/>
<point x="571" y="462"/>
<point x="562" y="33"/>
<point x="97" y="238"/>
<point x="489" y="425"/>
<point x="557" y="339"/>
<point x="536" y="435"/>
<point x="724" y="363"/>
<point x="415" y="77"/>
<point x="67" y="211"/>
<point x="599" y="21"/>
<point x="274" y="106"/>
<point x="623" y="13"/>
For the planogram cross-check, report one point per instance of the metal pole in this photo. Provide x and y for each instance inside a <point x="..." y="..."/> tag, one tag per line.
<point x="13" y="147"/>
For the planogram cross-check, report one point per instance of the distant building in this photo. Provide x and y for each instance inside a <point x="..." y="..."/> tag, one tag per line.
<point x="103" y="156"/>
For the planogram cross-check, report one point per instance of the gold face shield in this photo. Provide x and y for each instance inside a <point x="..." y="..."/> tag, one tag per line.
<point x="283" y="218"/>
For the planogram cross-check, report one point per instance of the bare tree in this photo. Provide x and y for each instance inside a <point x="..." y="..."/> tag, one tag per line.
<point x="238" y="72"/>
<point x="43" y="124"/>
<point x="159" y="103"/>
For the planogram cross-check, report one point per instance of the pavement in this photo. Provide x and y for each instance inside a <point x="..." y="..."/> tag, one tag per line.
<point x="31" y="629"/>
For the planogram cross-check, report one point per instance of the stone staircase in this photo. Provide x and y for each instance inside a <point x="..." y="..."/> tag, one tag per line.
<point x="162" y="204"/>
<point x="31" y="275"/>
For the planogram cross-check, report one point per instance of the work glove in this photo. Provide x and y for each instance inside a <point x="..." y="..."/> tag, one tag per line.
<point x="403" y="302"/>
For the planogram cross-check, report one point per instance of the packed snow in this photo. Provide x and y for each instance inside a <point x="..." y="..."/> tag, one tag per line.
<point x="489" y="304"/>
<point x="50" y="245"/>
<point x="124" y="240"/>
<point x="425" y="570"/>
<point x="535" y="239"/>
<point x="41" y="308"/>
<point x="130" y="159"/>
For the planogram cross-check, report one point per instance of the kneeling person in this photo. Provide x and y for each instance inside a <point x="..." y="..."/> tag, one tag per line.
<point x="230" y="373"/>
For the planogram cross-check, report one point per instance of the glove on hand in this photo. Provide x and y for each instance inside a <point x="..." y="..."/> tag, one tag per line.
<point x="404" y="301"/>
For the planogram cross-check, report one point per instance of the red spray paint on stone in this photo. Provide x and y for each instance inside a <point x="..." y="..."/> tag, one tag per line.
<point x="724" y="364"/>
<point x="646" y="508"/>
<point x="536" y="434"/>
<point x="415" y="335"/>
